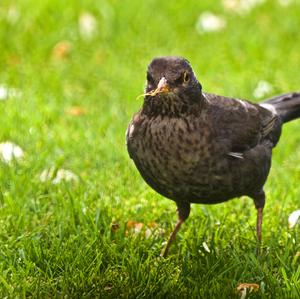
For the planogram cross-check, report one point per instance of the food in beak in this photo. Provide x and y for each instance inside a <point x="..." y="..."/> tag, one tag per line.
<point x="162" y="87"/>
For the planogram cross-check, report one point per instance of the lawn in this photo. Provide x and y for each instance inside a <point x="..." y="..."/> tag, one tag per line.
<point x="70" y="74"/>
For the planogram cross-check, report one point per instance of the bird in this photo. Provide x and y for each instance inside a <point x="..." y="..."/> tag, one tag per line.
<point x="195" y="147"/>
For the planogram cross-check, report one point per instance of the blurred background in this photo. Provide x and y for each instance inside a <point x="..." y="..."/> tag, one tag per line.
<point x="69" y="78"/>
<point x="93" y="55"/>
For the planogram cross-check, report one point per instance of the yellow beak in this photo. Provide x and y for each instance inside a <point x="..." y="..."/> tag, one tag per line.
<point x="162" y="85"/>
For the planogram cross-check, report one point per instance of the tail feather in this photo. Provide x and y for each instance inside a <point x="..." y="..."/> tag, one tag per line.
<point x="287" y="106"/>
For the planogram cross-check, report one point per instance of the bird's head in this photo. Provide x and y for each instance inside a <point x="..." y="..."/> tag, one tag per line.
<point x="172" y="87"/>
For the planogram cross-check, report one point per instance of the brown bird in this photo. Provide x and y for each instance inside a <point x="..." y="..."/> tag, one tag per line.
<point x="195" y="147"/>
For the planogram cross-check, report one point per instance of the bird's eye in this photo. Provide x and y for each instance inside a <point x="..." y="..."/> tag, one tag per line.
<point x="186" y="77"/>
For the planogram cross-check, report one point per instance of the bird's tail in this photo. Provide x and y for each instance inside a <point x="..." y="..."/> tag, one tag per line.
<point x="287" y="106"/>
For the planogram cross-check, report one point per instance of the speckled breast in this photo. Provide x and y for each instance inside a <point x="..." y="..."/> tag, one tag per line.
<point x="180" y="160"/>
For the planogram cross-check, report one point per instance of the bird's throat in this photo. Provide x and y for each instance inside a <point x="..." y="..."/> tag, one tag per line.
<point x="170" y="104"/>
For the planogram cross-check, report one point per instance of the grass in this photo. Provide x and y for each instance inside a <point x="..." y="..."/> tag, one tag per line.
<point x="57" y="240"/>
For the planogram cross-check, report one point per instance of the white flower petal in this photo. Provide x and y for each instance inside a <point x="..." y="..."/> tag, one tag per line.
<point x="262" y="89"/>
<point x="87" y="25"/>
<point x="47" y="174"/>
<point x="3" y="93"/>
<point x="148" y="233"/>
<point x="10" y="151"/>
<point x="293" y="218"/>
<point x="7" y="92"/>
<point x="209" y="22"/>
<point x="58" y="176"/>
<point x="205" y="246"/>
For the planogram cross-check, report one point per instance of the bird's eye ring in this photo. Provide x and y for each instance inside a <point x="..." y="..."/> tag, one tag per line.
<point x="186" y="77"/>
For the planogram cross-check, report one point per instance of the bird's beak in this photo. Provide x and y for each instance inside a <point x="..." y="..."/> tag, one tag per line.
<point x="162" y="85"/>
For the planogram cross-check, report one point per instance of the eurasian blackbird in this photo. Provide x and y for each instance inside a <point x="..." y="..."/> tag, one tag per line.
<point x="196" y="147"/>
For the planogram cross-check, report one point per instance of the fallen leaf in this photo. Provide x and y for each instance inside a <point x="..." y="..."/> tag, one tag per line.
<point x="61" y="50"/>
<point x="293" y="218"/>
<point x="134" y="225"/>
<point x="242" y="289"/>
<point x="76" y="111"/>
<point x="10" y="151"/>
<point x="209" y="22"/>
<point x="130" y="224"/>
<point x="149" y="230"/>
<point x="297" y="254"/>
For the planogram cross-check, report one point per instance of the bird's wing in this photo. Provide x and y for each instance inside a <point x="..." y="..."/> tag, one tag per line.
<point x="131" y="131"/>
<point x="242" y="125"/>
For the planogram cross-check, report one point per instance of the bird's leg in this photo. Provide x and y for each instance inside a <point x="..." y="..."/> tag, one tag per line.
<point x="259" y="223"/>
<point x="259" y="201"/>
<point x="183" y="210"/>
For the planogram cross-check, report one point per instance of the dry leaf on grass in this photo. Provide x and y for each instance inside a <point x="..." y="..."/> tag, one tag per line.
<point x="147" y="231"/>
<point x="61" y="50"/>
<point x="244" y="288"/>
<point x="131" y="226"/>
<point x="76" y="111"/>
<point x="135" y="227"/>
